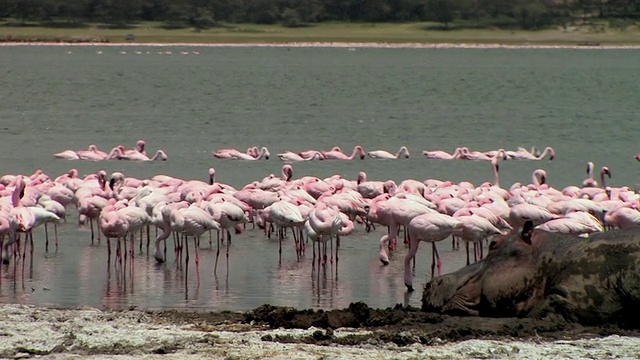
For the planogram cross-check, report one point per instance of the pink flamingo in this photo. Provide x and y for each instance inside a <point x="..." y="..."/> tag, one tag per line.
<point x="324" y="221"/>
<point x="524" y="154"/>
<point x="430" y="227"/>
<point x="474" y="229"/>
<point x="592" y="192"/>
<point x="92" y="153"/>
<point x="568" y="225"/>
<point x="369" y="189"/>
<point x="139" y="148"/>
<point x="252" y="154"/>
<point x="67" y="155"/>
<point x="339" y="155"/>
<point x="442" y="155"/>
<point x="138" y="156"/>
<point x="284" y="215"/>
<point x="23" y="219"/>
<point x="398" y="212"/>
<point x="622" y="217"/>
<point x="291" y="156"/>
<point x="383" y="154"/>
<point x="308" y="154"/>
<point x="589" y="181"/>
<point x="113" y="224"/>
<point x="479" y="155"/>
<point x="520" y="213"/>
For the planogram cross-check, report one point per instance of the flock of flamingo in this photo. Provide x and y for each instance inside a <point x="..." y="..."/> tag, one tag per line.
<point x="336" y="153"/>
<point x="254" y="153"/>
<point x="117" y="153"/>
<point x="309" y="210"/>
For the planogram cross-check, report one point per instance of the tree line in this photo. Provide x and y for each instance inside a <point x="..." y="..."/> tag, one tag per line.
<point x="527" y="14"/>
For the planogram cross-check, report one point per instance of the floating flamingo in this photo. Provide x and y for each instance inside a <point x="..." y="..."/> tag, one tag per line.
<point x="383" y="154"/>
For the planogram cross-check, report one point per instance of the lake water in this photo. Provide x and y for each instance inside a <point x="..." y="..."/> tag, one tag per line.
<point x="583" y="103"/>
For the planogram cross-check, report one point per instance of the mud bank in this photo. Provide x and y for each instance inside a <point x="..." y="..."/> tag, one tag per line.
<point x="278" y="333"/>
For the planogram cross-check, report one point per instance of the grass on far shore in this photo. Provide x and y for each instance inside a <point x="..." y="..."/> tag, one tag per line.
<point x="334" y="32"/>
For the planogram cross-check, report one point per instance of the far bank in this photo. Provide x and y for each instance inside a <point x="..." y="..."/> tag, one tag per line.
<point x="391" y="33"/>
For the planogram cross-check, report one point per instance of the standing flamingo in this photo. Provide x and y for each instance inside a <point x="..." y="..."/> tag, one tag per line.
<point x="589" y="181"/>
<point x="383" y="154"/>
<point x="431" y="227"/>
<point x="325" y="222"/>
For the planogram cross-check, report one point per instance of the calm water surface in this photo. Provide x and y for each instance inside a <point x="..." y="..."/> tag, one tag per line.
<point x="584" y="103"/>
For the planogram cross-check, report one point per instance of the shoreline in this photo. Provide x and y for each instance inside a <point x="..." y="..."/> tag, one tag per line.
<point x="347" y="45"/>
<point x="103" y="334"/>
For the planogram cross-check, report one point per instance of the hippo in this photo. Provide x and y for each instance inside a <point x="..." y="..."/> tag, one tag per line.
<point x="533" y="273"/>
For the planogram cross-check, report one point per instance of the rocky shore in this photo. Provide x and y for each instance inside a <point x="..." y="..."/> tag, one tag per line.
<point x="285" y="333"/>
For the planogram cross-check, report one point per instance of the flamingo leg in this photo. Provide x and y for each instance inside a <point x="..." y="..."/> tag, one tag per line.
<point x="437" y="256"/>
<point x="46" y="238"/>
<point x="408" y="276"/>
<point x="215" y="265"/>
<point x="55" y="230"/>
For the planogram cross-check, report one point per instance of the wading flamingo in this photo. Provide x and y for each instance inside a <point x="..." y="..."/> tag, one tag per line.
<point x="430" y="227"/>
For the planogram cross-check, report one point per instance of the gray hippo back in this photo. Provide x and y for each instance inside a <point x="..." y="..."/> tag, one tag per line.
<point x="589" y="280"/>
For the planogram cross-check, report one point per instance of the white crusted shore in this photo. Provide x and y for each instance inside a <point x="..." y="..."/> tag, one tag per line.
<point x="39" y="332"/>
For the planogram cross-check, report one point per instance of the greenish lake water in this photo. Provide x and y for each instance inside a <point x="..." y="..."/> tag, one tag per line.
<point x="583" y="103"/>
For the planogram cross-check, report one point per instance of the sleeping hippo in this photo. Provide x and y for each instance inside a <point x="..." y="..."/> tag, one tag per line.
<point x="531" y="274"/>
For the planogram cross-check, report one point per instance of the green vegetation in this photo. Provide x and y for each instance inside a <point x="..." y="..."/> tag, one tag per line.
<point x="153" y="32"/>
<point x="204" y="14"/>
<point x="242" y="21"/>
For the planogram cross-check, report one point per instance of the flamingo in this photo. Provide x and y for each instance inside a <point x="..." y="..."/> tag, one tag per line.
<point x="67" y="155"/>
<point x="285" y="214"/>
<point x="524" y="154"/>
<point x="369" y="189"/>
<point x="383" y="154"/>
<point x="92" y="153"/>
<point x="442" y="155"/>
<point x="264" y="153"/>
<point x="112" y="223"/>
<point x="324" y="221"/>
<point x="430" y="227"/>
<point x="307" y="154"/>
<point x="474" y="229"/>
<point x="23" y="219"/>
<point x="623" y="217"/>
<point x="293" y="157"/>
<point x="138" y="156"/>
<point x="139" y="148"/>
<point x="478" y="155"/>
<point x="339" y="155"/>
<point x="190" y="221"/>
<point x="589" y="181"/>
